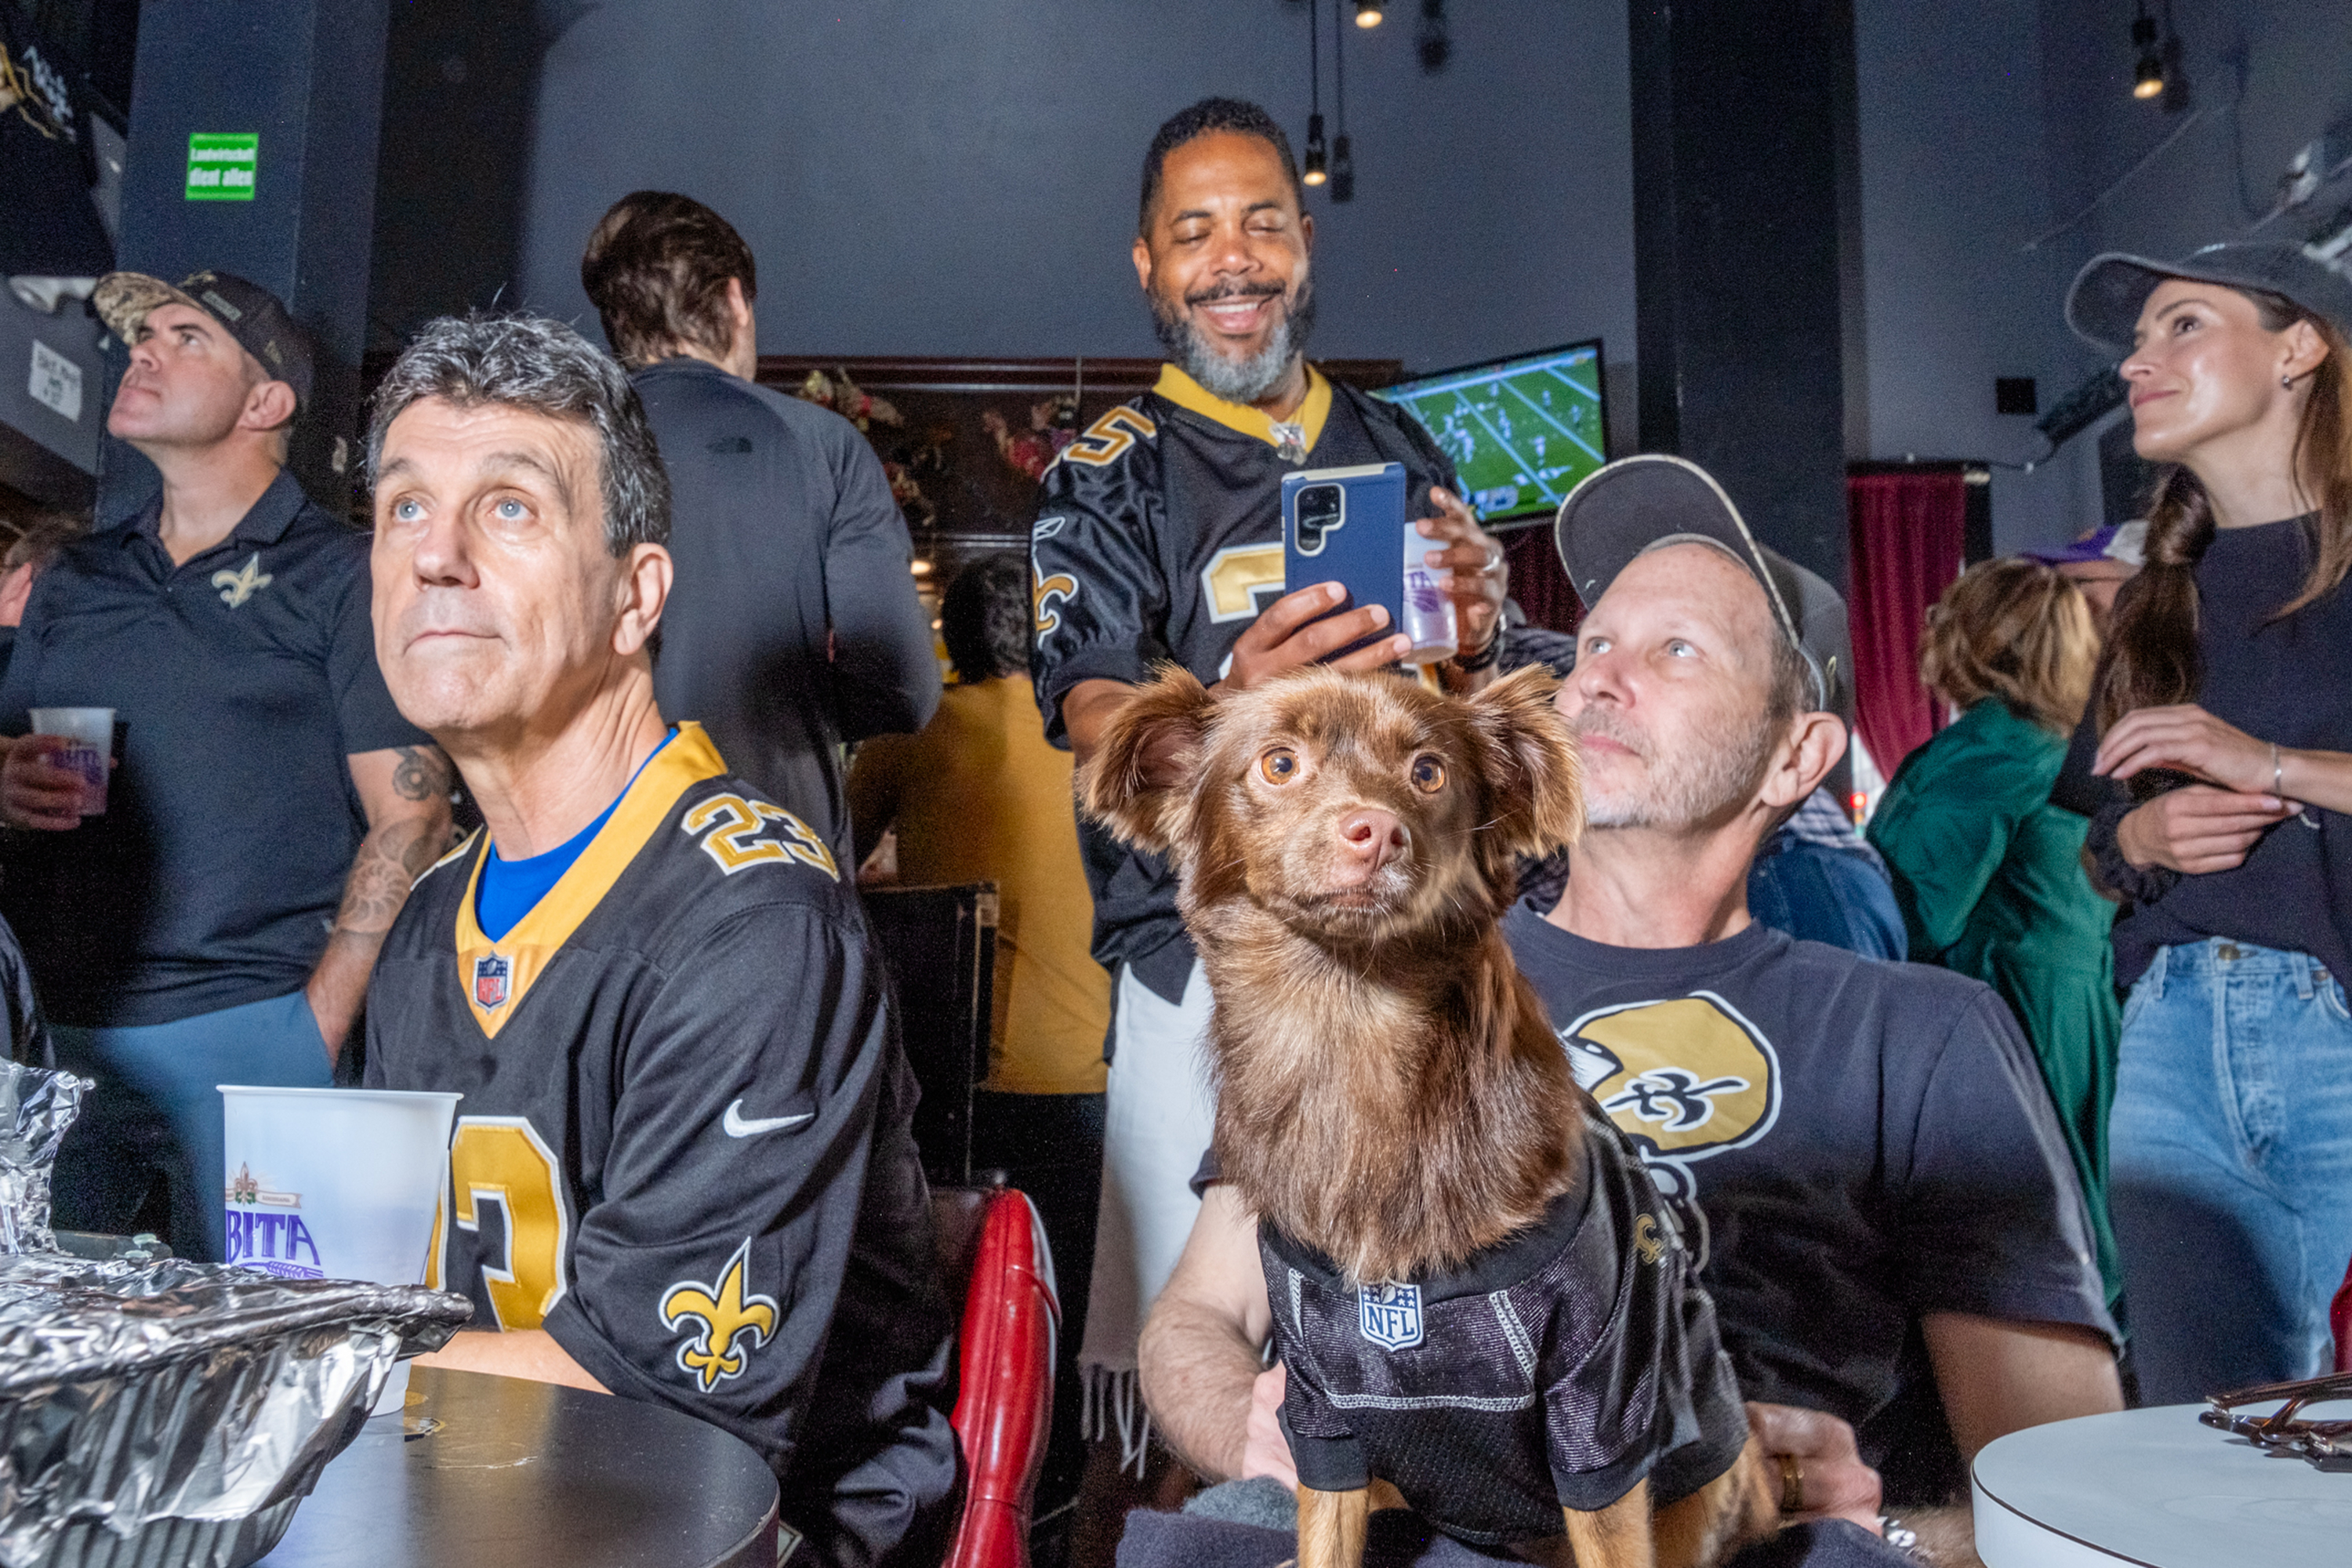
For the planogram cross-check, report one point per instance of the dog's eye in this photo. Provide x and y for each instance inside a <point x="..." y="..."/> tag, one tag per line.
<point x="1428" y="775"/>
<point x="1279" y="766"/>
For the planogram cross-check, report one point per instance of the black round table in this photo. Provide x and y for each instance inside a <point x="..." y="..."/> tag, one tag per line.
<point x="529" y="1472"/>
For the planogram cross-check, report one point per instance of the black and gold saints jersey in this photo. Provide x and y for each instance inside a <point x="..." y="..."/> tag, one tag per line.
<point x="1159" y="539"/>
<point x="685" y="1138"/>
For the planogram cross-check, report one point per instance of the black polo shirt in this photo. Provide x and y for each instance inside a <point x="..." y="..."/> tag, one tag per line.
<point x="240" y="681"/>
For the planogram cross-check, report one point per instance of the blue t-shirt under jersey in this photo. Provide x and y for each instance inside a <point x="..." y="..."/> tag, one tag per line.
<point x="509" y="889"/>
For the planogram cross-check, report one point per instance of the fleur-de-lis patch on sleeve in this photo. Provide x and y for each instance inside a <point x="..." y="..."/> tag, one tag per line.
<point x="721" y="1315"/>
<point x="236" y="587"/>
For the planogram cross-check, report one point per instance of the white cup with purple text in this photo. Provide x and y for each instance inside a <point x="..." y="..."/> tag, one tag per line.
<point x="88" y="749"/>
<point x="336" y="1184"/>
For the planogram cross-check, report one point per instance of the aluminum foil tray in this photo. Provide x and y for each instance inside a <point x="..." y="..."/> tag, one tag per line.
<point x="163" y="1413"/>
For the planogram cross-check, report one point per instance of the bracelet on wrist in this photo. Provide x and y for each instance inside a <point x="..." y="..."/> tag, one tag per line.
<point x="1471" y="663"/>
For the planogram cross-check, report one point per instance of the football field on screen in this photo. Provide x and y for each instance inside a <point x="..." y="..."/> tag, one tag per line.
<point x="1522" y="433"/>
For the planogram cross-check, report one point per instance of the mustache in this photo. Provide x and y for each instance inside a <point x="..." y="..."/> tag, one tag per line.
<point x="1233" y="290"/>
<point x="1600" y="722"/>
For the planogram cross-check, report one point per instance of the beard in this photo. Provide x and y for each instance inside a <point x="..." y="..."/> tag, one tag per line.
<point x="1236" y="381"/>
<point x="1685" y="793"/>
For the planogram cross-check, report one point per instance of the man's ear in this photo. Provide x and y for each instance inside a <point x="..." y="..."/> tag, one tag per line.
<point x="1815" y="742"/>
<point x="1535" y="792"/>
<point x="269" y="406"/>
<point x="1136" y="784"/>
<point x="1143" y="263"/>
<point x="645" y="577"/>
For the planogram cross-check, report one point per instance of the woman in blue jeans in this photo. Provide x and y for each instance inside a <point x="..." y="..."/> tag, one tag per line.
<point x="2216" y="761"/>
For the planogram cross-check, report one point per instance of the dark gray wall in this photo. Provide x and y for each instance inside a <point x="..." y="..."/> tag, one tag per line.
<point x="932" y="179"/>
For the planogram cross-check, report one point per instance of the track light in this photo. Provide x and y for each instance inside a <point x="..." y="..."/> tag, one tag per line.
<point x="2147" y="77"/>
<point x="1314" y="160"/>
<point x="1368" y="13"/>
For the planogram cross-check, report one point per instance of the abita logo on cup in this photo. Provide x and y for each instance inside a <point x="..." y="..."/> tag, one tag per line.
<point x="266" y="1229"/>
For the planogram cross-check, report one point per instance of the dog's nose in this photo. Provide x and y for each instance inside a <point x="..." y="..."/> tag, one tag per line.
<point x="1373" y="838"/>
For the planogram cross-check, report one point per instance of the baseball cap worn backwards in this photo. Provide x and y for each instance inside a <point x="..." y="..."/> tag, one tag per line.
<point x="1638" y="504"/>
<point x="2104" y="303"/>
<point x="255" y="317"/>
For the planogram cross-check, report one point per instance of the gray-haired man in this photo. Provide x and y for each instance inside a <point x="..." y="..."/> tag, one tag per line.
<point x="651" y="984"/>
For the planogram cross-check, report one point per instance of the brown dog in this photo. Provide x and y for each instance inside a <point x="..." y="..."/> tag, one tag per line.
<point x="1392" y="1098"/>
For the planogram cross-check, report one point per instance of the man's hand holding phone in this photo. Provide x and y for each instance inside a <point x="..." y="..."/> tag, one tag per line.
<point x="1287" y="635"/>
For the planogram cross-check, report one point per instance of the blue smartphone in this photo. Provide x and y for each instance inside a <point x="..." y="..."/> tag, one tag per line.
<point x="1348" y="526"/>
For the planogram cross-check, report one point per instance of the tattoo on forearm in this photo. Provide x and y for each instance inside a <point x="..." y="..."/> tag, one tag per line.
<point x="423" y="774"/>
<point x="387" y="866"/>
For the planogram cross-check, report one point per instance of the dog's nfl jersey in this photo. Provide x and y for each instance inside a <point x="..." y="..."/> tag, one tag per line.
<point x="1555" y="1369"/>
<point x="685" y="1130"/>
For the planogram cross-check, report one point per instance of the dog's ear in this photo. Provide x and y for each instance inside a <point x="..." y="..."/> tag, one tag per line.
<point x="1137" y="781"/>
<point x="1534" y="786"/>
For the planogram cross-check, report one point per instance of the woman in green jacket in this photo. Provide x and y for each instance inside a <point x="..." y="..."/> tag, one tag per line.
<point x="1990" y="874"/>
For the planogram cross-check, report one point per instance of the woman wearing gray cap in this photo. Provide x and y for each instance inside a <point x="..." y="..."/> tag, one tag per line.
<point x="2219" y="751"/>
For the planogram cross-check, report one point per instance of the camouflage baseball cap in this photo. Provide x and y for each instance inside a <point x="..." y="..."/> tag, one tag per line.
<point x="252" y="314"/>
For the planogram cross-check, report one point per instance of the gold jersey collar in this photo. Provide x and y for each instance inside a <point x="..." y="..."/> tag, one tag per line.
<point x="1185" y="393"/>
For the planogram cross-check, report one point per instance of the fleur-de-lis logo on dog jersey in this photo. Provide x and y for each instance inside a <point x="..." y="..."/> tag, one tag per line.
<point x="725" y="1314"/>
<point x="241" y="585"/>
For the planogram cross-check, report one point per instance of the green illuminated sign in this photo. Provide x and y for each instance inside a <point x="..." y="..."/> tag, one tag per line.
<point x="221" y="165"/>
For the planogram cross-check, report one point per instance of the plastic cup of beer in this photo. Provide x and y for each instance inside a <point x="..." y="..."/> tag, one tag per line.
<point x="336" y="1184"/>
<point x="89" y="736"/>
<point x="1427" y="613"/>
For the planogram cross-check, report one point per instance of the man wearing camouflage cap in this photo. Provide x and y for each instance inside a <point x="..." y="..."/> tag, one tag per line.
<point x="269" y="805"/>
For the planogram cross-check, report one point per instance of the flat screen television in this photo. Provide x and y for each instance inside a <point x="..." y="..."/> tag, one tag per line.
<point x="1521" y="431"/>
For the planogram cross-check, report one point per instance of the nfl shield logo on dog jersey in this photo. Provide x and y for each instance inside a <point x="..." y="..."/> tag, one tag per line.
<point x="1389" y="1315"/>
<point x="490" y="981"/>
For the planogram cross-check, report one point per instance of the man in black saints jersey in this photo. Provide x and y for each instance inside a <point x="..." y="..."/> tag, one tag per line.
<point x="685" y="1135"/>
<point x="1159" y="537"/>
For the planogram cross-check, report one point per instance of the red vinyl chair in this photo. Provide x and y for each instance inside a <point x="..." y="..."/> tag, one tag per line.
<point x="994" y="1254"/>
<point x="2339" y="1318"/>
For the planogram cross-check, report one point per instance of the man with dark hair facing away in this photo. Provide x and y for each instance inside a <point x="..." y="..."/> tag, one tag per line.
<point x="27" y="556"/>
<point x="794" y="627"/>
<point x="685" y="1097"/>
<point x="979" y="796"/>
<point x="1159" y="537"/>
<point x="270" y="809"/>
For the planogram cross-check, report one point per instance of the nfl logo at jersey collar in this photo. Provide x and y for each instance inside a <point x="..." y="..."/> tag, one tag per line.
<point x="1389" y="1315"/>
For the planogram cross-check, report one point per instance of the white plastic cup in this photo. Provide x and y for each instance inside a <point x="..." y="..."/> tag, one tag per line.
<point x="89" y="734"/>
<point x="336" y="1184"/>
<point x="1427" y="609"/>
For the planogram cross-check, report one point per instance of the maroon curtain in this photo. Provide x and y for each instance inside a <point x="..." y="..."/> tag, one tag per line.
<point x="1909" y="535"/>
<point x="1537" y="580"/>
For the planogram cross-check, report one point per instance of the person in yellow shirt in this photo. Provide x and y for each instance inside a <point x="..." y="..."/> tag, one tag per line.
<point x="980" y="796"/>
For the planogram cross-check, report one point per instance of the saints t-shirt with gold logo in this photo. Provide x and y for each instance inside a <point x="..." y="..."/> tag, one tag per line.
<point x="1846" y="1144"/>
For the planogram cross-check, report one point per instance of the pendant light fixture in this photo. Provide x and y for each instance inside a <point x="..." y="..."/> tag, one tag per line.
<point x="1368" y="13"/>
<point x="2147" y="76"/>
<point x="1314" y="174"/>
<point x="1343" y="159"/>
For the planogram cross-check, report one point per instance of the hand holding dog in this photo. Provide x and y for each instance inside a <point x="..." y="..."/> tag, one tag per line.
<point x="1832" y="1480"/>
<point x="1268" y="1451"/>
